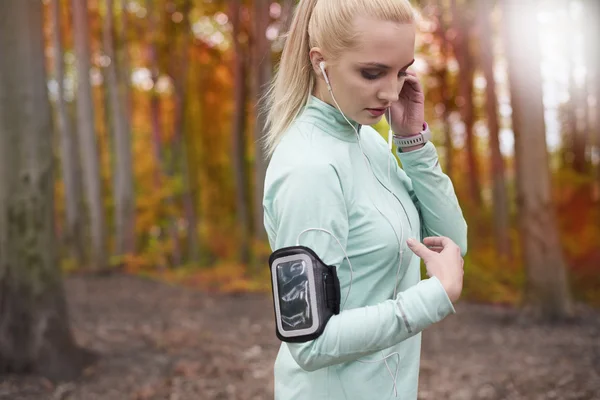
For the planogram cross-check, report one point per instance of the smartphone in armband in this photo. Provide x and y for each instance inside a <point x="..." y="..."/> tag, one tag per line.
<point x="306" y="293"/>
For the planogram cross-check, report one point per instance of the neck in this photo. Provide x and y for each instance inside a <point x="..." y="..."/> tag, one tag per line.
<point x="321" y="92"/>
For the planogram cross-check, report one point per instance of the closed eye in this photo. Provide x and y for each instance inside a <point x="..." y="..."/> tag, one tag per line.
<point x="370" y="75"/>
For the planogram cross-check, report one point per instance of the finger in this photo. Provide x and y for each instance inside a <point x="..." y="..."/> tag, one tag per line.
<point x="419" y="249"/>
<point x="438" y="241"/>
<point x="413" y="81"/>
<point x="412" y="90"/>
<point x="437" y="249"/>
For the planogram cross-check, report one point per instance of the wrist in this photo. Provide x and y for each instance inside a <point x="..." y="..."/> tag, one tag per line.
<point x="412" y="131"/>
<point x="407" y="143"/>
<point x="412" y="148"/>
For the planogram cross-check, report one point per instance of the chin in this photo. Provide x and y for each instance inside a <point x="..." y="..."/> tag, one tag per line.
<point x="368" y="119"/>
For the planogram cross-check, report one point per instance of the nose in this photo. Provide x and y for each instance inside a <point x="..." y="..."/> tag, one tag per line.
<point x="391" y="92"/>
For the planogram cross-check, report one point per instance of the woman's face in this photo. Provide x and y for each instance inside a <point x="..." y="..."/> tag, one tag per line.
<point x="367" y="78"/>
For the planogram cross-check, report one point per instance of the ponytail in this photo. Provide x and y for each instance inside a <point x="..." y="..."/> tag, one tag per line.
<point x="331" y="29"/>
<point x="293" y="81"/>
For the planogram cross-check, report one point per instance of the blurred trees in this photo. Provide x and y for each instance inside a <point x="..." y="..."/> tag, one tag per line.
<point x="238" y="139"/>
<point x="262" y="70"/>
<point x="462" y="22"/>
<point x="547" y="290"/>
<point x="69" y="154"/>
<point x="87" y="137"/>
<point x="190" y="76"/>
<point x="545" y="284"/>
<point x="123" y="181"/>
<point x="499" y="192"/>
<point x="34" y="325"/>
<point x="180" y="83"/>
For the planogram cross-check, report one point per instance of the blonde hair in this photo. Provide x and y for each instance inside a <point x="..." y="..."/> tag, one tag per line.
<point x="327" y="24"/>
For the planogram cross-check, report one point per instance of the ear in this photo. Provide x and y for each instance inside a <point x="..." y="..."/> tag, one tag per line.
<point x="316" y="56"/>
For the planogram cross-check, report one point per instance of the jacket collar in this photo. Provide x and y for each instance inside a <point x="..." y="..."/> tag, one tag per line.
<point x="330" y="119"/>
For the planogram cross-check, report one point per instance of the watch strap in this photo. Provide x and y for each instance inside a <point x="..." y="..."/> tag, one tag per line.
<point x="408" y="141"/>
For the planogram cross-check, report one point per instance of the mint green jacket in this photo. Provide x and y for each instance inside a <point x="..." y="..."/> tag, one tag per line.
<point x="318" y="178"/>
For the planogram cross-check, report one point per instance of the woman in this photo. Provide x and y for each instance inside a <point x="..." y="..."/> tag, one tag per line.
<point x="333" y="185"/>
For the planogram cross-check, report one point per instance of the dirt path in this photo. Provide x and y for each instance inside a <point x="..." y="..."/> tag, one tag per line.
<point x="163" y="342"/>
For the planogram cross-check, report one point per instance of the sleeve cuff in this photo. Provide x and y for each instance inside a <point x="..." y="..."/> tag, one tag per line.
<point x="426" y="156"/>
<point x="427" y="305"/>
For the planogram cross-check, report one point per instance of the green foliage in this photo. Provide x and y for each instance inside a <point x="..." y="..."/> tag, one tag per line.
<point x="488" y="278"/>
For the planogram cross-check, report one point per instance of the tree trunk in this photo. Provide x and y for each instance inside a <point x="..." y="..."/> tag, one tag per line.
<point x="500" y="197"/>
<point x="180" y="148"/>
<point x="578" y="103"/>
<point x="445" y="91"/>
<point x="87" y="136"/>
<point x="593" y="46"/>
<point x="123" y="180"/>
<point x="570" y="134"/>
<point x="547" y="291"/>
<point x="239" y="138"/>
<point x="465" y="88"/>
<point x="125" y="69"/>
<point x="73" y="237"/>
<point x="262" y="70"/>
<point x="155" y="112"/>
<point x="35" y="336"/>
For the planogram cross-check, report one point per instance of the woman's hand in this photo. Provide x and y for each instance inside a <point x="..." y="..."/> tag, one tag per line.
<point x="442" y="260"/>
<point x="408" y="113"/>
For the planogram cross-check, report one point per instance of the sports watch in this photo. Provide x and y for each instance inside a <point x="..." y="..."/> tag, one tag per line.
<point x="422" y="137"/>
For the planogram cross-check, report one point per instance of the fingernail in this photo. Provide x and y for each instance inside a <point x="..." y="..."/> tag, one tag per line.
<point x="411" y="241"/>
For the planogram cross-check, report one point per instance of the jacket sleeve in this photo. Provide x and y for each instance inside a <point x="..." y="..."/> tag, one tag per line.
<point x="312" y="197"/>
<point x="433" y="194"/>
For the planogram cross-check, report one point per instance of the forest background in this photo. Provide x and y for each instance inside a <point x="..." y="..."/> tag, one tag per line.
<point x="128" y="150"/>
<point x="178" y="175"/>
<point x="158" y="171"/>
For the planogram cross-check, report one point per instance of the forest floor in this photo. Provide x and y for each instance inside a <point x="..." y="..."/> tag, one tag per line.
<point x="159" y="341"/>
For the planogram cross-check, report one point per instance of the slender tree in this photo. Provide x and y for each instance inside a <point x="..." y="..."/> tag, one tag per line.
<point x="579" y="108"/>
<point x="155" y="108"/>
<point x="239" y="137"/>
<point x="124" y="63"/>
<point x="71" y="174"/>
<point x="445" y="87"/>
<point x="35" y="336"/>
<point x="262" y="71"/>
<point x="500" y="197"/>
<point x="87" y="136"/>
<point x="547" y="292"/>
<point x="592" y="25"/>
<point x="462" y="22"/>
<point x="180" y="80"/>
<point x="123" y="180"/>
<point x="570" y="132"/>
<point x="157" y="130"/>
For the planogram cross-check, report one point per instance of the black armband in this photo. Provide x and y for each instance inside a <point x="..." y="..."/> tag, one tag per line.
<point x="306" y="293"/>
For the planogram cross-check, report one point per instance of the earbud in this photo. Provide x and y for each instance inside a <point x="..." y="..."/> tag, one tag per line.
<point x="322" y="66"/>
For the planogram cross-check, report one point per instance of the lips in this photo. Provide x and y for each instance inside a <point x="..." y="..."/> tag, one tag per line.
<point x="376" y="112"/>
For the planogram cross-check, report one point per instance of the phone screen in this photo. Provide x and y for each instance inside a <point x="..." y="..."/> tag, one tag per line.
<point x="294" y="295"/>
